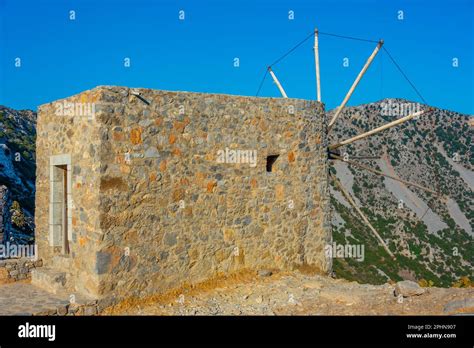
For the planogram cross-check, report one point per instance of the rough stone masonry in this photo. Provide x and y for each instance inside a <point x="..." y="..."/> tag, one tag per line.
<point x="140" y="191"/>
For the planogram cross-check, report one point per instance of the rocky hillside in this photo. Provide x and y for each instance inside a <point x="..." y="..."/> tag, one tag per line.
<point x="431" y="236"/>
<point x="17" y="174"/>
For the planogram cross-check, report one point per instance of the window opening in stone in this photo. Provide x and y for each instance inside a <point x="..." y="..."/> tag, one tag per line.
<point x="270" y="161"/>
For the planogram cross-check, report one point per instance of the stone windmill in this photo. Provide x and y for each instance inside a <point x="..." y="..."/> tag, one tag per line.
<point x="333" y="153"/>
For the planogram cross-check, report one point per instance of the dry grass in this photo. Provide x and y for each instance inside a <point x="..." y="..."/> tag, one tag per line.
<point x="308" y="270"/>
<point x="11" y="281"/>
<point x="219" y="281"/>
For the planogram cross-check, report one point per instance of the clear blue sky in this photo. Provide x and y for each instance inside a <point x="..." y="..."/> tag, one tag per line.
<point x="60" y="57"/>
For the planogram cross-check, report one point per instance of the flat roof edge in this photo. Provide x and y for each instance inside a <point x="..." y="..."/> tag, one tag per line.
<point x="204" y="94"/>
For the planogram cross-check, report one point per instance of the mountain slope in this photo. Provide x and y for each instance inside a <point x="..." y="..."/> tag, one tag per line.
<point x="17" y="173"/>
<point x="432" y="237"/>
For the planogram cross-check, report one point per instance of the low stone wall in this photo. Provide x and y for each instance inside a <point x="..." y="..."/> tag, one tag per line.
<point x="83" y="307"/>
<point x="87" y="309"/>
<point x="12" y="270"/>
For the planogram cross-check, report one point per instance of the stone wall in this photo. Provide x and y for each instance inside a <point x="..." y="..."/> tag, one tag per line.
<point x="12" y="270"/>
<point x="82" y="309"/>
<point x="60" y="132"/>
<point x="156" y="206"/>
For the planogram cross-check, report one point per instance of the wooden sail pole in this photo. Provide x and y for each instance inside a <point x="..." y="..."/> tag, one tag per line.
<point x="354" y="85"/>
<point x="408" y="183"/>
<point x="379" y="129"/>
<point x="362" y="215"/>
<point x="282" y="91"/>
<point x="316" y="62"/>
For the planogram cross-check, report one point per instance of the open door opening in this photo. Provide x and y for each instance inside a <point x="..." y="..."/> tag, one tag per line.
<point x="60" y="206"/>
<point x="64" y="227"/>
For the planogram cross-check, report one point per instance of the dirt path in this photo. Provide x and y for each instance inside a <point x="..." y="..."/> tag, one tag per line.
<point x="298" y="294"/>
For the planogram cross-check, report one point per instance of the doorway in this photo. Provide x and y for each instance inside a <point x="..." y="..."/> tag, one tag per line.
<point x="60" y="204"/>
<point x="64" y="225"/>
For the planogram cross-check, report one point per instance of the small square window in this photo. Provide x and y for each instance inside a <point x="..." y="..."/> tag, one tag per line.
<point x="271" y="161"/>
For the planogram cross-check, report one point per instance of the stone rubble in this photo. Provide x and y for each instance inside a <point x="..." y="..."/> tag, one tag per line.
<point x="300" y="294"/>
<point x="408" y="288"/>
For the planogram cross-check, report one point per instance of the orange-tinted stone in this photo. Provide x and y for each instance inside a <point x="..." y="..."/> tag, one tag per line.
<point x="253" y="183"/>
<point x="136" y="136"/>
<point x="172" y="138"/>
<point x="178" y="195"/>
<point x="125" y="169"/>
<point x="82" y="241"/>
<point x="179" y="126"/>
<point x="188" y="211"/>
<point x="120" y="159"/>
<point x="291" y="156"/>
<point x="279" y="192"/>
<point x="113" y="183"/>
<point x="4" y="274"/>
<point x="163" y="166"/>
<point x="211" y="185"/>
<point x="117" y="136"/>
<point x="200" y="178"/>
<point x="84" y="97"/>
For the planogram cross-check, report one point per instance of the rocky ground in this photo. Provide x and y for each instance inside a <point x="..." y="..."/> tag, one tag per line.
<point x="300" y="294"/>
<point x="23" y="298"/>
